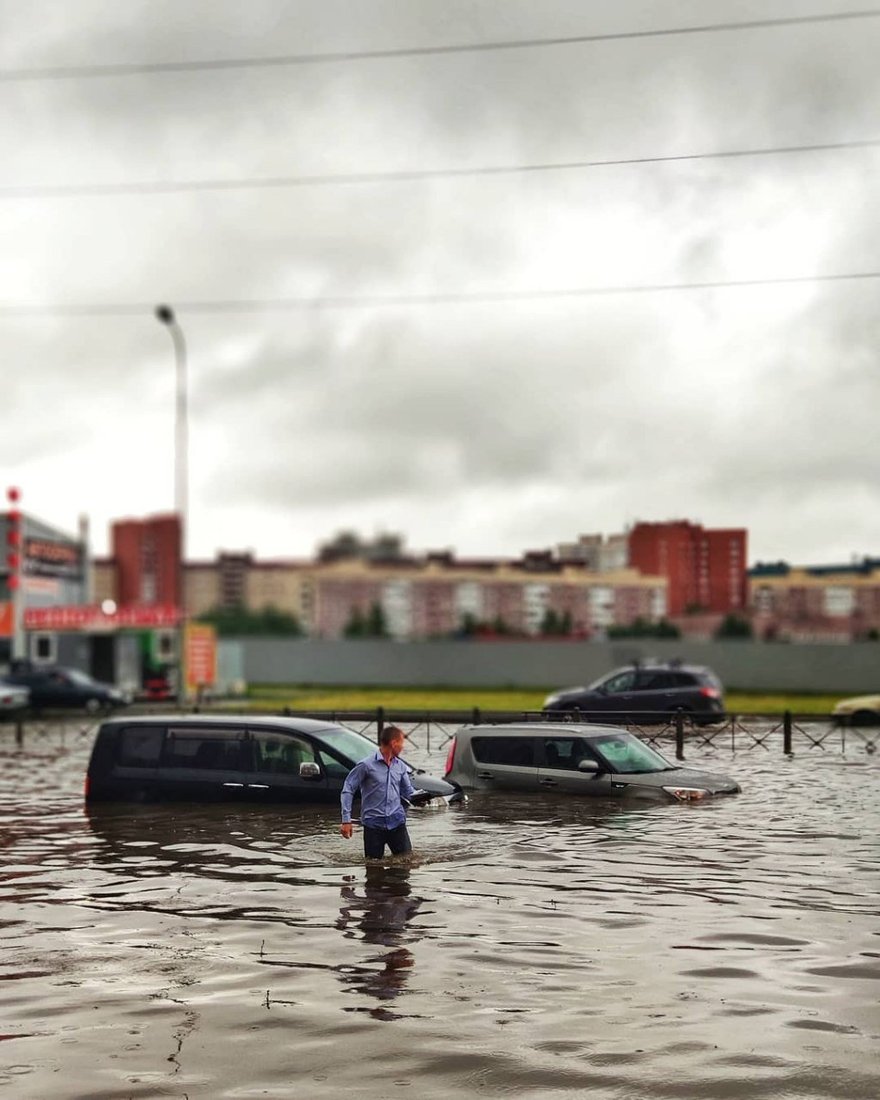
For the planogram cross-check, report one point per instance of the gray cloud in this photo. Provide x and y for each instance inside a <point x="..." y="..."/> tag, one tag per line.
<point x="485" y="426"/>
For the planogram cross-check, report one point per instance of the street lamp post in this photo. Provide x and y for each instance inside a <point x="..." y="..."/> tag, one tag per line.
<point x="165" y="314"/>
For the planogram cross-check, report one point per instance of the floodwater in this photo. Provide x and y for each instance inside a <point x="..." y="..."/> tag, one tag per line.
<point x="532" y="947"/>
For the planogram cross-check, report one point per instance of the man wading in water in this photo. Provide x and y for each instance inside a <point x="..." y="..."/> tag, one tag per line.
<point x="383" y="780"/>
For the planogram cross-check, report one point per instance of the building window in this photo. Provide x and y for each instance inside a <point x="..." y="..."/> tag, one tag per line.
<point x="839" y="600"/>
<point x="44" y="649"/>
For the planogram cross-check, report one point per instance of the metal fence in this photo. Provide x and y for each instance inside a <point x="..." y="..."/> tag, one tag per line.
<point x="432" y="731"/>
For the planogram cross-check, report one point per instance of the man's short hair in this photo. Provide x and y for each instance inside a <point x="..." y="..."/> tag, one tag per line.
<point x="388" y="733"/>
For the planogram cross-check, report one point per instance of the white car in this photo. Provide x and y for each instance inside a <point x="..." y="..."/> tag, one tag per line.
<point x="13" y="697"/>
<point x="861" y="710"/>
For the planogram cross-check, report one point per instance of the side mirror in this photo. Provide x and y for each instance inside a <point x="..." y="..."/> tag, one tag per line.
<point x="309" y="770"/>
<point x="589" y="766"/>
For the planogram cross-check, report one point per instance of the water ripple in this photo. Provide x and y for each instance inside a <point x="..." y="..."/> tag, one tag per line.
<point x="532" y="946"/>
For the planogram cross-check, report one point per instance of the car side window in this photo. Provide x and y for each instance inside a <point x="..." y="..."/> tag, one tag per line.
<point x="655" y="681"/>
<point x="212" y="750"/>
<point x="140" y="748"/>
<point x="625" y="681"/>
<point x="334" y="768"/>
<point x="566" y="752"/>
<point x="279" y="754"/>
<point x="504" y="750"/>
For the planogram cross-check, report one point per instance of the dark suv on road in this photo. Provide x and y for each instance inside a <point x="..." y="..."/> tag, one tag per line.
<point x="644" y="693"/>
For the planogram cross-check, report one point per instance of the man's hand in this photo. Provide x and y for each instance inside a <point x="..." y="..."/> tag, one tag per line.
<point x="345" y="829"/>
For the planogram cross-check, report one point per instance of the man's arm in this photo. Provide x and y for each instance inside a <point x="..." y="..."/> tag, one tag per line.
<point x="349" y="788"/>
<point x="407" y="790"/>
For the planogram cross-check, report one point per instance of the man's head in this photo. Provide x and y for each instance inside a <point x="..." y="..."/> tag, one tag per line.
<point x="392" y="738"/>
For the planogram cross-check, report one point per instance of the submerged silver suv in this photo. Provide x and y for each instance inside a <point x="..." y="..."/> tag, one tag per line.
<point x="575" y="759"/>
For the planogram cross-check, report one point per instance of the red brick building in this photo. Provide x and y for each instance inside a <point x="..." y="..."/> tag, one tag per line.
<point x="146" y="555"/>
<point x="705" y="569"/>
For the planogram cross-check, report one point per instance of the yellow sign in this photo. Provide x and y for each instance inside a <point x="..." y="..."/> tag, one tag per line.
<point x="201" y="656"/>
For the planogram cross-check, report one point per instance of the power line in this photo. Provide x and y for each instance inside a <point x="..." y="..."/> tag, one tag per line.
<point x="380" y="301"/>
<point x="68" y="72"/>
<point x="168" y="187"/>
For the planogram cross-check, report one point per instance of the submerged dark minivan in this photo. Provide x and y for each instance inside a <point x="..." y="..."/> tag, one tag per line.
<point x="204" y="758"/>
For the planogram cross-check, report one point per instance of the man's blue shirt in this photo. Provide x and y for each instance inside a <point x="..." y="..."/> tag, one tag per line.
<point x="381" y="787"/>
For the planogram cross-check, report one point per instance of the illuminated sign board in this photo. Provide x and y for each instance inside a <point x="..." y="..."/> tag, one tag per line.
<point x="51" y="558"/>
<point x="133" y="616"/>
<point x="201" y="656"/>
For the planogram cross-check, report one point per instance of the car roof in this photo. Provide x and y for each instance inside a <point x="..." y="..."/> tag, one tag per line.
<point x="542" y="729"/>
<point x="262" y="721"/>
<point x="651" y="666"/>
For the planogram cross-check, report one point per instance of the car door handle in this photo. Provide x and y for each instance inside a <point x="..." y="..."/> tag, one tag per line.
<point x="548" y="782"/>
<point x="485" y="775"/>
<point x="233" y="784"/>
<point x="257" y="786"/>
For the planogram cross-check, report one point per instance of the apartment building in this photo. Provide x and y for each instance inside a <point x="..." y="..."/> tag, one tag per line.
<point x="705" y="568"/>
<point x="431" y="598"/>
<point x="816" y="603"/>
<point x="599" y="553"/>
<point x="240" y="580"/>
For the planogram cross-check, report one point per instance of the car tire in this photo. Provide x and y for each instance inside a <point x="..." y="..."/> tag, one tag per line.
<point x="93" y="706"/>
<point x="865" y="718"/>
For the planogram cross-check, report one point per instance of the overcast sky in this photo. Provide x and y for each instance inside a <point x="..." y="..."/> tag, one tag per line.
<point x="390" y="353"/>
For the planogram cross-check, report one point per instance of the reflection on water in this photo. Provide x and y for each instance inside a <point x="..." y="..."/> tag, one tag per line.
<point x="531" y="946"/>
<point x="379" y="913"/>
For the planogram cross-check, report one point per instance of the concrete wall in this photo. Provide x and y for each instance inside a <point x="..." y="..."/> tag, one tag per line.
<point x="746" y="666"/>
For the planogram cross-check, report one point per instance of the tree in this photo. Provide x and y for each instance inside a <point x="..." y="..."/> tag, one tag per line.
<point x="642" y="628"/>
<point x="555" y="625"/>
<point x="228" y="621"/>
<point x="371" y="625"/>
<point x="356" y="625"/>
<point x="375" y="625"/>
<point x="732" y="627"/>
<point x="469" y="625"/>
<point x="550" y="622"/>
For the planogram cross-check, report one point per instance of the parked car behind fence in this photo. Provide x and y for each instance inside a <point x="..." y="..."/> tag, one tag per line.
<point x="650" y="692"/>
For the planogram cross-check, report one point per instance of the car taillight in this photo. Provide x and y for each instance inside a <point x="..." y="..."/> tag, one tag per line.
<point x="450" y="757"/>
<point x="710" y="693"/>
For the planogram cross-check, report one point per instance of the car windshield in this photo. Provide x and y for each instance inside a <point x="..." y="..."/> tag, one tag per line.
<point x="77" y="677"/>
<point x="626" y="754"/>
<point x="352" y="745"/>
<point x="610" y="680"/>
